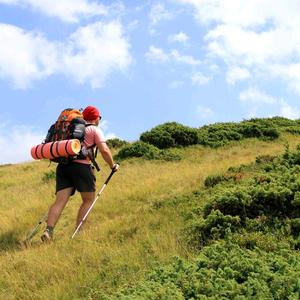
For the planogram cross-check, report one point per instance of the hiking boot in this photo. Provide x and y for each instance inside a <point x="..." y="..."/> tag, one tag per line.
<point x="47" y="236"/>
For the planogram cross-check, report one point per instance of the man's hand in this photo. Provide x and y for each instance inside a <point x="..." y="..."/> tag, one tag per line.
<point x="115" y="167"/>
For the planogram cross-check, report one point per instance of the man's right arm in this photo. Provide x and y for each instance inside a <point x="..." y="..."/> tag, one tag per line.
<point x="106" y="154"/>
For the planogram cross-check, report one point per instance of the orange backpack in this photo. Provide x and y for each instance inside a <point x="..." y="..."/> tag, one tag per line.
<point x="69" y="125"/>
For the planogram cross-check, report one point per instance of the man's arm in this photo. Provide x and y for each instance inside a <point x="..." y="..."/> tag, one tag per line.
<point x="106" y="154"/>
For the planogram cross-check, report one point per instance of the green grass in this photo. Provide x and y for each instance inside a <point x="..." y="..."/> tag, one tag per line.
<point x="135" y="226"/>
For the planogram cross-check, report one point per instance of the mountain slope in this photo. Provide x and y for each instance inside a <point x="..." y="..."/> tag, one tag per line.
<point x="135" y="226"/>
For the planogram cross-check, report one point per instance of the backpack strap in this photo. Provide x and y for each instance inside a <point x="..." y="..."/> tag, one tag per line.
<point x="93" y="154"/>
<point x="92" y="157"/>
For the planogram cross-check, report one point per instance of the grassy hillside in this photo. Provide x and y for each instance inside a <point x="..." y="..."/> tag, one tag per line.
<point x="136" y="226"/>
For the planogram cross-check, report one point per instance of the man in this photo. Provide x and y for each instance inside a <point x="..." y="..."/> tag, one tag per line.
<point x="79" y="174"/>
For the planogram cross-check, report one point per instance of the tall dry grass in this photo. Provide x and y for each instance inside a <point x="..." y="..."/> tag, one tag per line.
<point x="133" y="227"/>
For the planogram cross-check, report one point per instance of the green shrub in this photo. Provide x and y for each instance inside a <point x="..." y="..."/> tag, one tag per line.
<point x="168" y="155"/>
<point x="293" y="130"/>
<point x="200" y="230"/>
<point x="295" y="227"/>
<point x="139" y="149"/>
<point x="231" y="201"/>
<point x="116" y="143"/>
<point x="212" y="180"/>
<point x="252" y="129"/>
<point x="146" y="151"/>
<point x="170" y="135"/>
<point x="223" y="271"/>
<point x="49" y="176"/>
<point x="266" y="202"/>
<point x="296" y="200"/>
<point x="218" y="134"/>
<point x="262" y="159"/>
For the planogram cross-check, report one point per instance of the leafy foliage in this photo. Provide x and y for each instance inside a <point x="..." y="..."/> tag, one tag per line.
<point x="223" y="271"/>
<point x="220" y="134"/>
<point x="170" y="135"/>
<point x="49" y="176"/>
<point x="240" y="231"/>
<point x="139" y="149"/>
<point x="270" y="200"/>
<point x="116" y="143"/>
<point x="146" y="151"/>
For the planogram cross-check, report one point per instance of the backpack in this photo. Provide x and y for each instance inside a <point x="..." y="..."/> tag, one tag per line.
<point x="71" y="125"/>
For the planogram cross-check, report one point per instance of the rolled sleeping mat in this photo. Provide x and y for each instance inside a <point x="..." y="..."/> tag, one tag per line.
<point x="53" y="150"/>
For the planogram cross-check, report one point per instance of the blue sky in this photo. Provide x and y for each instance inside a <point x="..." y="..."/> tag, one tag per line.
<point x="144" y="63"/>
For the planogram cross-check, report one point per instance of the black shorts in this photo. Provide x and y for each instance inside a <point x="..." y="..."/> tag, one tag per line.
<point x="77" y="175"/>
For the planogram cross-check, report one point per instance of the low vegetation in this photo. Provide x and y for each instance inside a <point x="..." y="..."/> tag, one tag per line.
<point x="246" y="234"/>
<point x="174" y="135"/>
<point x="220" y="223"/>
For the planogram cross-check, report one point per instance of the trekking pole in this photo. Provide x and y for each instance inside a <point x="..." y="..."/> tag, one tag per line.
<point x="33" y="232"/>
<point x="97" y="196"/>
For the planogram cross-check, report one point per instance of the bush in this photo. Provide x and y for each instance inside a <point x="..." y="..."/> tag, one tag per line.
<point x="251" y="129"/>
<point x="200" y="230"/>
<point x="139" y="149"/>
<point x="146" y="151"/>
<point x="234" y="201"/>
<point x="49" y="176"/>
<point x="170" y="135"/>
<point x="212" y="180"/>
<point x="220" y="134"/>
<point x="222" y="271"/>
<point x="295" y="227"/>
<point x="116" y="143"/>
<point x="266" y="202"/>
<point x="262" y="159"/>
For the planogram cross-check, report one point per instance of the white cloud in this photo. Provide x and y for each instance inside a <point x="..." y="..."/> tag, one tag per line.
<point x="155" y="54"/>
<point x="238" y="45"/>
<point x="289" y="72"/>
<point x="288" y="111"/>
<point x="16" y="143"/>
<point x="256" y="99"/>
<point x="25" y="56"/>
<point x="255" y="36"/>
<point x="235" y="74"/>
<point x="205" y="112"/>
<point x="95" y="51"/>
<point x="89" y="55"/>
<point x="200" y="79"/>
<point x="159" y="13"/>
<point x="179" y="37"/>
<point x="253" y="95"/>
<point x="104" y="127"/>
<point x="245" y="13"/>
<point x="67" y="10"/>
<point x="186" y="59"/>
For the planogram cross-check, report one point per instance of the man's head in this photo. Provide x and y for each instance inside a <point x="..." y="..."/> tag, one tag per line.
<point x="91" y="114"/>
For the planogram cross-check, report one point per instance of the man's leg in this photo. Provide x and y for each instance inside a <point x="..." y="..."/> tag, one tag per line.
<point x="87" y="200"/>
<point x="55" y="211"/>
<point x="57" y="207"/>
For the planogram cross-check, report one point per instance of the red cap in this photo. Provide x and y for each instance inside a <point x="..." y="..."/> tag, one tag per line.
<point x="90" y="113"/>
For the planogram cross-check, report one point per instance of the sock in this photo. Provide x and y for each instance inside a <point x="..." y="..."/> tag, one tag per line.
<point x="50" y="229"/>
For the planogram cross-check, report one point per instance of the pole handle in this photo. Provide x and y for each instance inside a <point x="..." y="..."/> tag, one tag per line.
<point x="111" y="174"/>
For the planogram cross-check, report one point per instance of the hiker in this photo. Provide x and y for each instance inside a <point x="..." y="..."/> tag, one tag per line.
<point x="79" y="174"/>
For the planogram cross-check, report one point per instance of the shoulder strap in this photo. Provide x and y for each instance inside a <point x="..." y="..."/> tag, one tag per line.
<point x="93" y="154"/>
